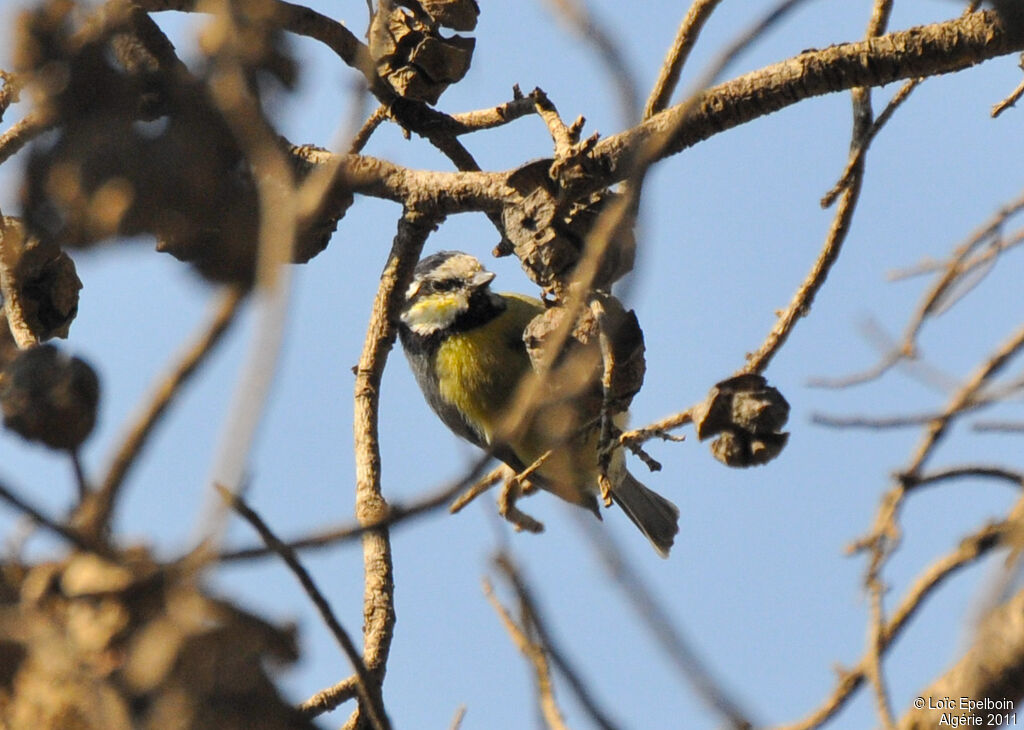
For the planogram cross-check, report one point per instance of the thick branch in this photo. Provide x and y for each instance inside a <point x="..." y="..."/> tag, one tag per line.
<point x="378" y="598"/>
<point x="923" y="51"/>
<point x="991" y="669"/>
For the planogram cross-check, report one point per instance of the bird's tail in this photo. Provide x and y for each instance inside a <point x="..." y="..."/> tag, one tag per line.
<point x="656" y="516"/>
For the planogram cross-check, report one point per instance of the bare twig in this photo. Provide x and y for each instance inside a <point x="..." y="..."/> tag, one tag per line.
<point x="658" y="429"/>
<point x="803" y="299"/>
<point x="460" y="713"/>
<point x="22" y="132"/>
<point x="80" y="541"/>
<point x="965" y="396"/>
<point x="395" y="514"/>
<point x="669" y="637"/>
<point x="163" y="395"/>
<point x="536" y="655"/>
<point x="481" y="119"/>
<point x="330" y="698"/>
<point x="968" y="471"/>
<point x="672" y="67"/>
<point x="369" y="127"/>
<point x="1012" y="98"/>
<point x="582" y="21"/>
<point x="858" y="152"/>
<point x="936" y="298"/>
<point x="480" y="486"/>
<point x="81" y="480"/>
<point x="275" y="183"/>
<point x="999" y="426"/>
<point x="970" y="550"/>
<point x="533" y="620"/>
<point x="371" y="507"/>
<point x="369" y="690"/>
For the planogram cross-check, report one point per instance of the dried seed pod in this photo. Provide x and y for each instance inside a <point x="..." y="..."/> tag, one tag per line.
<point x="45" y="285"/>
<point x="549" y="235"/>
<point x="413" y="57"/>
<point x="583" y="356"/>
<point x="49" y="397"/>
<point x="457" y="14"/>
<point x="112" y="644"/>
<point x="126" y="114"/>
<point x="747" y="415"/>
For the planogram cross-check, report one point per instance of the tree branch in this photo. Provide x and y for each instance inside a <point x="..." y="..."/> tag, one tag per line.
<point x="378" y="595"/>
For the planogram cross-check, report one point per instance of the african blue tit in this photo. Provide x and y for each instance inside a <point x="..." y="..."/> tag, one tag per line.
<point x="465" y="346"/>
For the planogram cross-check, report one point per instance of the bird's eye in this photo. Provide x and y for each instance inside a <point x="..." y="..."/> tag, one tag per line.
<point x="445" y="284"/>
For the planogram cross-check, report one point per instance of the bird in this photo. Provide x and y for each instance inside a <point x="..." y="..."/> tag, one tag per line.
<point x="464" y="343"/>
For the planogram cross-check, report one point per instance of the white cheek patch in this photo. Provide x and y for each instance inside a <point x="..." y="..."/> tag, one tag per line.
<point x="435" y="312"/>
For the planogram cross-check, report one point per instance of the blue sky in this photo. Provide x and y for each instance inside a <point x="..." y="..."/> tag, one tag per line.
<point x="758" y="579"/>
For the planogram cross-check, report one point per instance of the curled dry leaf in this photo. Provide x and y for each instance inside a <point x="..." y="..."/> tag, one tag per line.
<point x="91" y="643"/>
<point x="580" y="363"/>
<point x="414" y="58"/>
<point x="549" y="234"/>
<point x="49" y="397"/>
<point x="457" y="14"/>
<point x="43" y="286"/>
<point x="138" y="147"/>
<point x="747" y="415"/>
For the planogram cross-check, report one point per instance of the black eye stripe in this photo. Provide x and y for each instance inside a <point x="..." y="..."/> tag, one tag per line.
<point x="444" y="284"/>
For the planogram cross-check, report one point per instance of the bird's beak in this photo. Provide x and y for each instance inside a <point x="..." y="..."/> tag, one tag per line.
<point x="481" y="279"/>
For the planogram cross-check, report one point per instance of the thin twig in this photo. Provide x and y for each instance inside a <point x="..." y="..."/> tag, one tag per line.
<point x="379" y="587"/>
<point x="535" y="653"/>
<point x="81" y="480"/>
<point x="660" y="623"/>
<point x="582" y="21"/>
<point x="480" y="486"/>
<point x="658" y="429"/>
<point x="22" y="132"/>
<point x="369" y="127"/>
<point x="859" y="151"/>
<point x="73" y="536"/>
<point x="146" y="420"/>
<point x="328" y="699"/>
<point x="884" y="536"/>
<point x="933" y="300"/>
<point x="1013" y="97"/>
<point x="802" y="300"/>
<point x="275" y="186"/>
<point x="369" y="689"/>
<point x="547" y="643"/>
<point x="968" y="471"/>
<point x="460" y="713"/>
<point x="999" y="426"/>
<point x="965" y="396"/>
<point x="970" y="550"/>
<point x="496" y="116"/>
<point x="672" y="66"/>
<point x="395" y="514"/>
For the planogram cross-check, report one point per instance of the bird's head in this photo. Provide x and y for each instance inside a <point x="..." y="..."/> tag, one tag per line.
<point x="447" y="287"/>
